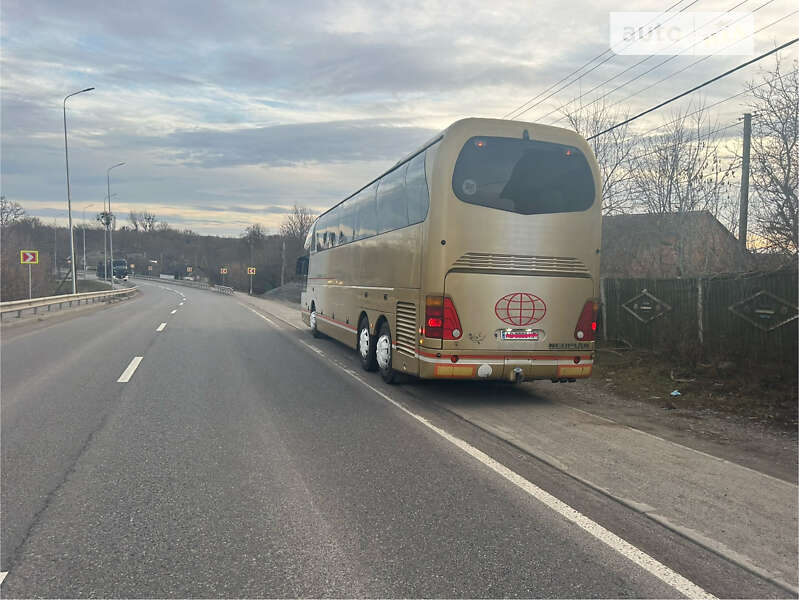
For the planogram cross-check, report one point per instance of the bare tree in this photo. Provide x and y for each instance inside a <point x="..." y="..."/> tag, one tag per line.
<point x="10" y="211"/>
<point x="681" y="171"/>
<point x="254" y="236"/>
<point x="612" y="151"/>
<point x="774" y="169"/>
<point x="133" y="217"/>
<point x="147" y="220"/>
<point x="296" y="224"/>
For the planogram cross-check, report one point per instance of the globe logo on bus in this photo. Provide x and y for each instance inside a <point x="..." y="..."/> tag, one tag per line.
<point x="520" y="309"/>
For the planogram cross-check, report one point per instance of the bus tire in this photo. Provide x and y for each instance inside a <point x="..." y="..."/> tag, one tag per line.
<point x="384" y="354"/>
<point x="366" y="349"/>
<point x="312" y="319"/>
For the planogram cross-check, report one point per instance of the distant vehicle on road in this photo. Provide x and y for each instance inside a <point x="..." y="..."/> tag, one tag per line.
<point x="120" y="270"/>
<point x="475" y="257"/>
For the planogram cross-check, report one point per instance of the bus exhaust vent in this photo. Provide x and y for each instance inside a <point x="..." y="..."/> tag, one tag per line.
<point x="521" y="265"/>
<point x="406" y="327"/>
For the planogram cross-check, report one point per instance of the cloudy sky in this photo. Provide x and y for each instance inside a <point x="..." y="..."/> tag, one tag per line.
<point x="229" y="113"/>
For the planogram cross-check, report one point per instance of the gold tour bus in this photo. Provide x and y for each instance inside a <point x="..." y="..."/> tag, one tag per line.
<point x="475" y="257"/>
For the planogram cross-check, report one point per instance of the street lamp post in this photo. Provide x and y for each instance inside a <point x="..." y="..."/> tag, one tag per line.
<point x="84" y="239"/>
<point x="69" y="197"/>
<point x="105" y="239"/>
<point x="111" y="218"/>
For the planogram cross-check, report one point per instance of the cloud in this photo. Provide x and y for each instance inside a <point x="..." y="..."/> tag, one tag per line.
<point x="250" y="210"/>
<point x="282" y="145"/>
<point x="232" y="111"/>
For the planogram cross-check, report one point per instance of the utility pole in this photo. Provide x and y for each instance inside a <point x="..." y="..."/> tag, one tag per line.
<point x="84" y="239"/>
<point x="283" y="263"/>
<point x="743" y="221"/>
<point x="111" y="232"/>
<point x="55" y="248"/>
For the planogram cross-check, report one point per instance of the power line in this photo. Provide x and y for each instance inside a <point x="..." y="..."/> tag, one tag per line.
<point x="660" y="64"/>
<point x="699" y="138"/>
<point x="522" y="106"/>
<point x="696" y="62"/>
<point x="697" y="87"/>
<point x="529" y="108"/>
<point x="704" y="108"/>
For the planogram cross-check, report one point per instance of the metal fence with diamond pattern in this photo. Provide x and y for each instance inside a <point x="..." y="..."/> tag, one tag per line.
<point x="747" y="315"/>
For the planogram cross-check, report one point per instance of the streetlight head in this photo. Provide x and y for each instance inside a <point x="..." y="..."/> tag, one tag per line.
<point x="86" y="90"/>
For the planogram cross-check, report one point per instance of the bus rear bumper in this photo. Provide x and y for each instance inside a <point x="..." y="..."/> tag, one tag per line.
<point x="559" y="367"/>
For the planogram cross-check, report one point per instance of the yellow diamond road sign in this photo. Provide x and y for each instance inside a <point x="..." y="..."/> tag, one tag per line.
<point x="29" y="257"/>
<point x="250" y="270"/>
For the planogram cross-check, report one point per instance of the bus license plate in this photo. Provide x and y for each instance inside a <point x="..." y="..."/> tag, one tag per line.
<point x="526" y="335"/>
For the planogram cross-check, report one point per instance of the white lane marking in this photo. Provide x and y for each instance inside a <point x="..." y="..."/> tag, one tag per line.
<point x="247" y="306"/>
<point x="181" y="304"/>
<point x="3" y="575"/>
<point x="160" y="327"/>
<point x="267" y="319"/>
<point x="174" y="311"/>
<point x="128" y="373"/>
<point x="637" y="556"/>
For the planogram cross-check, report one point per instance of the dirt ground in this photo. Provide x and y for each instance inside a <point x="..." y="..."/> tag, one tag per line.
<point x="766" y="395"/>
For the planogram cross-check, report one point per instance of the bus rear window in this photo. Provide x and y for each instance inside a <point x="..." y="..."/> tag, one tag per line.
<point x="523" y="176"/>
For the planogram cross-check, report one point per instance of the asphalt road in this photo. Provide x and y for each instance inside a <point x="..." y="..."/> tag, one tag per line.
<point x="243" y="458"/>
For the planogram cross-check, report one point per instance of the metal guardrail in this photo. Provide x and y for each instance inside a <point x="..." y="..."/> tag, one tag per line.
<point x="195" y="284"/>
<point x="34" y="304"/>
<point x="222" y="289"/>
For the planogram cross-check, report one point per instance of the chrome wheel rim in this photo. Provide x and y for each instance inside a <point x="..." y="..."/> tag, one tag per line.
<point x="363" y="343"/>
<point x="313" y="319"/>
<point x="383" y="351"/>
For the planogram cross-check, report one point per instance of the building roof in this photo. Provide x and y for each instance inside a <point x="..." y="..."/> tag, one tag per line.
<point x="668" y="245"/>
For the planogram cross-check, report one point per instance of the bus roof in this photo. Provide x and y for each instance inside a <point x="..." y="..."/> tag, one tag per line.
<point x="466" y="122"/>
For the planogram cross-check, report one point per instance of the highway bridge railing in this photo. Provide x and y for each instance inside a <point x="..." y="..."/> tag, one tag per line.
<point x="48" y="302"/>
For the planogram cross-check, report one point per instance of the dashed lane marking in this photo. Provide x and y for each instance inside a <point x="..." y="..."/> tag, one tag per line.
<point x="128" y="373"/>
<point x="161" y="327"/>
<point x="174" y="311"/>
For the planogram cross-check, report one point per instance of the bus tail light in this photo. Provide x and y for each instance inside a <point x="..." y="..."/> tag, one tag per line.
<point x="441" y="319"/>
<point x="586" y="324"/>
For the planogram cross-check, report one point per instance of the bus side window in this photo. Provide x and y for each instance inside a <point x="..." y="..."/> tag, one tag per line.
<point x="416" y="190"/>
<point x="310" y="240"/>
<point x="320" y="233"/>
<point x="392" y="207"/>
<point x="366" y="210"/>
<point x="345" y="225"/>
<point x="332" y="227"/>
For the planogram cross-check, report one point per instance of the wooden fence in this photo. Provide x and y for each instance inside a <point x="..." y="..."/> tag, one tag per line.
<point x="748" y="315"/>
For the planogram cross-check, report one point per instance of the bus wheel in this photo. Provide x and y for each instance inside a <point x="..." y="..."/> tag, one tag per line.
<point x="366" y="350"/>
<point x="312" y="319"/>
<point x="383" y="354"/>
